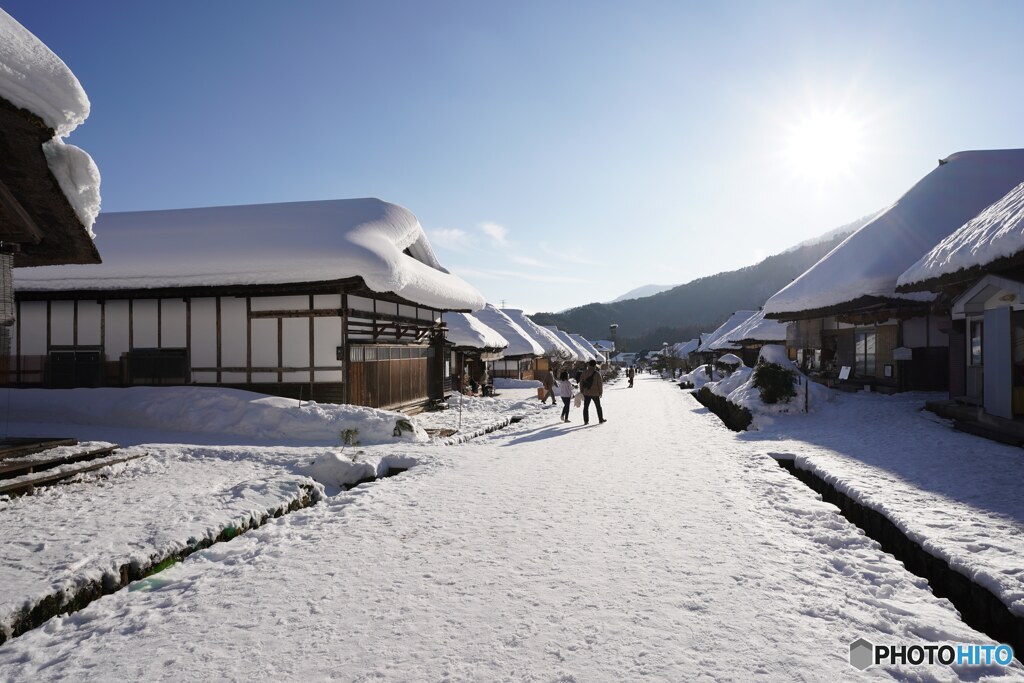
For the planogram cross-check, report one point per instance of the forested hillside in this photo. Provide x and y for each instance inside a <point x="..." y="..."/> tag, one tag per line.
<point x="687" y="310"/>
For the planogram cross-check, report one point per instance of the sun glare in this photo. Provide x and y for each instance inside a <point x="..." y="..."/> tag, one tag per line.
<point x="824" y="146"/>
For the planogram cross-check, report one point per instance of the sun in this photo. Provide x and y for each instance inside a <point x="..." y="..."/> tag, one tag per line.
<point x="824" y="145"/>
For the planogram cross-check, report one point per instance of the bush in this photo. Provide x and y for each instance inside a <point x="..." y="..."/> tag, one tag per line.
<point x="775" y="382"/>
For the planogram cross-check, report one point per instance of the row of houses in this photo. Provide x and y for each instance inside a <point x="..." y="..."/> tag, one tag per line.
<point x="926" y="296"/>
<point x="341" y="300"/>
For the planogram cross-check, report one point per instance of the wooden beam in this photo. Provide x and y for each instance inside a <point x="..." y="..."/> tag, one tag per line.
<point x="24" y="229"/>
<point x="299" y="313"/>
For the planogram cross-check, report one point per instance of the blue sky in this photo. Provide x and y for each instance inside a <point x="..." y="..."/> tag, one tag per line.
<point x="556" y="153"/>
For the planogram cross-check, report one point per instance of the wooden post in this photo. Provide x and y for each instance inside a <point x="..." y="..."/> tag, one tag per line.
<point x="218" y="340"/>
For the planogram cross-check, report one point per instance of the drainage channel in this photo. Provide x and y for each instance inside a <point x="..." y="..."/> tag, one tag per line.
<point x="61" y="602"/>
<point x="979" y="608"/>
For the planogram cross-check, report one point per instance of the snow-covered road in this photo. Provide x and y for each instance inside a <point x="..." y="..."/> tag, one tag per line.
<point x="653" y="547"/>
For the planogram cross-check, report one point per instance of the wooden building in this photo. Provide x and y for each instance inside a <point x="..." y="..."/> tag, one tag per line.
<point x="517" y="359"/>
<point x="335" y="301"/>
<point x="845" y="312"/>
<point x="979" y="272"/>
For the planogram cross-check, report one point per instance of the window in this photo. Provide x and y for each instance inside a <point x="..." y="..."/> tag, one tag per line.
<point x="864" y="354"/>
<point x="975" y="344"/>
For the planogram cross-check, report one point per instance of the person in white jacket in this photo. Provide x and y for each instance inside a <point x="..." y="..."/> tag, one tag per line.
<point x="565" y="393"/>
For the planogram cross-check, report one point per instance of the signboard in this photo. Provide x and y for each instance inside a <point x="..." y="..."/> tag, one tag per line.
<point x="902" y="353"/>
<point x="844" y="372"/>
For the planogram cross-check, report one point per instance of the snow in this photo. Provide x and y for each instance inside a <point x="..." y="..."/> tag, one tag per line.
<point x="729" y="359"/>
<point x="739" y="388"/>
<point x="578" y="352"/>
<point x="700" y="376"/>
<point x="587" y="346"/>
<point x="869" y="262"/>
<point x="684" y="349"/>
<point x="549" y="342"/>
<point x="211" y="415"/>
<point x="996" y="232"/>
<point x="542" y="551"/>
<point x="297" y="242"/>
<point x="466" y="331"/>
<point x="719" y="338"/>
<point x="34" y="78"/>
<point x="757" y="328"/>
<point x="519" y="342"/>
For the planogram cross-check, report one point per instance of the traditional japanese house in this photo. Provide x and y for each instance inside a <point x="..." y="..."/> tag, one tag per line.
<point x="979" y="272"/>
<point x="555" y="350"/>
<point x="716" y="343"/>
<point x="845" y="311"/>
<point x="336" y="301"/>
<point x="518" y="358"/>
<point x="753" y="333"/>
<point x="472" y="344"/>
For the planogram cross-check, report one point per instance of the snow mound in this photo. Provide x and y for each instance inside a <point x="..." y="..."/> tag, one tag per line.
<point x="228" y="413"/>
<point x="700" y="376"/>
<point x="505" y="383"/>
<point x="738" y="388"/>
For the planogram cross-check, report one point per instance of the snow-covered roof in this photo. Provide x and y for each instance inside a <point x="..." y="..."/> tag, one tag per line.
<point x="719" y="338"/>
<point x="466" y="331"/>
<point x="520" y="343"/>
<point x="34" y="79"/>
<point x="681" y="349"/>
<point x="298" y="242"/>
<point x="757" y="328"/>
<point x="868" y="263"/>
<point x="587" y="346"/>
<point x="548" y="341"/>
<point x="997" y="232"/>
<point x="577" y="350"/>
<point x="603" y="344"/>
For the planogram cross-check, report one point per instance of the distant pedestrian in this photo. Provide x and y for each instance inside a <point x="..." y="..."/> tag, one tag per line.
<point x="549" y="387"/>
<point x="592" y="390"/>
<point x="630" y="373"/>
<point x="565" y="392"/>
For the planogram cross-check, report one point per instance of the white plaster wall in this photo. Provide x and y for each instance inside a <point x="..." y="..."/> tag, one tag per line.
<point x="233" y="323"/>
<point x="32" y="326"/>
<point x="327" y="301"/>
<point x="116" y="334"/>
<point x="359" y="303"/>
<point x="89" y="319"/>
<point x="326" y="340"/>
<point x="295" y="337"/>
<point x="62" y="323"/>
<point x="280" y="303"/>
<point x="204" y="335"/>
<point x="173" y="323"/>
<point x="145" y="319"/>
<point x="264" y="348"/>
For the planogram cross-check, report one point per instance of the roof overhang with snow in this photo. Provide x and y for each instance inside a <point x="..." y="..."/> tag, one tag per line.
<point x="467" y="332"/>
<point x="863" y="270"/>
<point x="40" y="102"/>
<point x="992" y="241"/>
<point x="296" y="243"/>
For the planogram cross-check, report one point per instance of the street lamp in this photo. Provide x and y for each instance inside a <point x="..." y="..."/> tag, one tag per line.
<point x="613" y="328"/>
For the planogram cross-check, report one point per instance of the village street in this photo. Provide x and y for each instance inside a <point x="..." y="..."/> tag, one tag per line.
<point x="654" y="547"/>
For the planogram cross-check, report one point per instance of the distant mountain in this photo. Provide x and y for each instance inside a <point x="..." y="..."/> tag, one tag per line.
<point x="685" y="311"/>
<point x="639" y="292"/>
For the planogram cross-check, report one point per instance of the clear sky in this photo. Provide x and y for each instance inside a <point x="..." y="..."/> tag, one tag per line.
<point x="556" y="153"/>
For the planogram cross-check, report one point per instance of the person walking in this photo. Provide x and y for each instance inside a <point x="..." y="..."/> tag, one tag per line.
<point x="565" y="392"/>
<point x="592" y="389"/>
<point x="549" y="387"/>
<point x="630" y="373"/>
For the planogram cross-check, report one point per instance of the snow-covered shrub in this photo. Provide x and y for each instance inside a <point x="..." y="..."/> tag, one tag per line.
<point x="728" y="363"/>
<point x="775" y="382"/>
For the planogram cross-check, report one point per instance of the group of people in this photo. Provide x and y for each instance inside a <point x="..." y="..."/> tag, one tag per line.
<point x="591" y="386"/>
